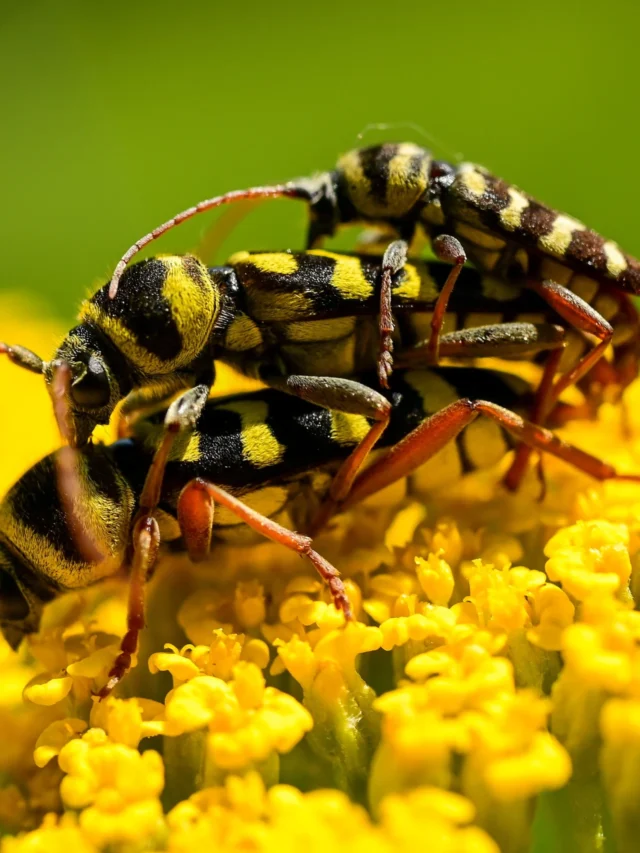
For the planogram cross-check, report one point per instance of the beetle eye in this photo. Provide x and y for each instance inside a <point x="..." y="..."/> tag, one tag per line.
<point x="90" y="389"/>
<point x="13" y="605"/>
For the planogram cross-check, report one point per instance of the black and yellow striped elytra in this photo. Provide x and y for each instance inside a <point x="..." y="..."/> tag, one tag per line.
<point x="274" y="452"/>
<point x="277" y="314"/>
<point x="401" y="188"/>
<point x="315" y="311"/>
<point x="466" y="213"/>
<point x="501" y="227"/>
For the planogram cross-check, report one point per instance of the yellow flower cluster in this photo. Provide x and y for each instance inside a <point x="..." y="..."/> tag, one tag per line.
<point x="242" y="815"/>
<point x="475" y="702"/>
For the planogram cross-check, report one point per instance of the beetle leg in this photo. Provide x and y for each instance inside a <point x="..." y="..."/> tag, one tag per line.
<point x="393" y="260"/>
<point x="446" y="248"/>
<point x="343" y="395"/>
<point x="439" y="429"/>
<point x="181" y="415"/>
<point x="502" y="340"/>
<point x="581" y="316"/>
<point x="330" y="392"/>
<point x="68" y="474"/>
<point x="196" y="511"/>
<point x="146" y="541"/>
<point x="514" y="475"/>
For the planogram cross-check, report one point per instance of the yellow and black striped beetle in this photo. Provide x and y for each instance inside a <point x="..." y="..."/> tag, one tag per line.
<point x="297" y="320"/>
<point x="401" y="189"/>
<point x="263" y="459"/>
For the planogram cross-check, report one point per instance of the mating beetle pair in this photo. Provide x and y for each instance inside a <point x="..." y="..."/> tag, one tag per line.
<point x="309" y="324"/>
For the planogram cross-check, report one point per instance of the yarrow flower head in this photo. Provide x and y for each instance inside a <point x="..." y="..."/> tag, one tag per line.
<point x="486" y="696"/>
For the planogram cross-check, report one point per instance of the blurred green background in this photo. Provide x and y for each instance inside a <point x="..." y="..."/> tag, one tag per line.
<point x="115" y="118"/>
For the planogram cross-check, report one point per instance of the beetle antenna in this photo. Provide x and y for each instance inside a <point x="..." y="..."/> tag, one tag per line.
<point x="290" y="190"/>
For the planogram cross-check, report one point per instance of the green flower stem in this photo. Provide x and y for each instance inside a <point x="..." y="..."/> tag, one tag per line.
<point x="184" y="761"/>
<point x="533" y="667"/>
<point x="570" y="819"/>
<point x="345" y="735"/>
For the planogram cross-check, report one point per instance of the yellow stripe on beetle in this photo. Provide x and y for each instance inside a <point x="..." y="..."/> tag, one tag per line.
<point x="616" y="262"/>
<point x="511" y="215"/>
<point x="472" y="179"/>
<point x="348" y="429"/>
<point x="348" y="278"/>
<point x="276" y="263"/>
<point x="403" y="193"/>
<point x="242" y="334"/>
<point x="557" y="241"/>
<point x="416" y="285"/>
<point x="260" y="447"/>
<point x="320" y="330"/>
<point x="194" y="302"/>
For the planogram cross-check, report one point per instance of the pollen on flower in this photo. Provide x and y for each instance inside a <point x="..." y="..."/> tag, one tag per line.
<point x="591" y="557"/>
<point x="116" y="787"/>
<point x="436" y="578"/>
<point x="55" y="835"/>
<point x="245" y="720"/>
<point x="243" y="815"/>
<point x="219" y="658"/>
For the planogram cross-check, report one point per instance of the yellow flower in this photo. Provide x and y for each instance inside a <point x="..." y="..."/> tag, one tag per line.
<point x="55" y="835"/>
<point x="589" y="558"/>
<point x="485" y="698"/>
<point x="115" y="786"/>
<point x="620" y="763"/>
<point x="246" y="721"/>
<point x="434" y="814"/>
<point x="54" y="737"/>
<point x="242" y="815"/>
<point x="78" y="641"/>
<point x="467" y="711"/>
<point x="218" y="659"/>
<point x="524" y="612"/>
<point x="602" y="657"/>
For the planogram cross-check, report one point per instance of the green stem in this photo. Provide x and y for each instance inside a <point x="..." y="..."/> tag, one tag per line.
<point x="570" y="819"/>
<point x="184" y="758"/>
<point x="345" y="735"/>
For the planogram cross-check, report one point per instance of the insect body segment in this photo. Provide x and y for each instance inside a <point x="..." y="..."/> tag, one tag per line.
<point x="479" y="200"/>
<point x="402" y="190"/>
<point x="164" y="321"/>
<point x="278" y="315"/>
<point x="38" y="551"/>
<point x="400" y="187"/>
<point x="264" y="460"/>
<point x="246" y="448"/>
